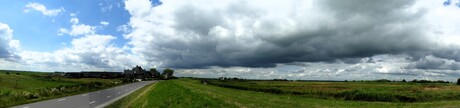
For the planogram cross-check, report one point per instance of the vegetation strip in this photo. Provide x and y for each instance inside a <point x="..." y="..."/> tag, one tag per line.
<point x="168" y="94"/>
<point x="191" y="93"/>
<point x="358" y="91"/>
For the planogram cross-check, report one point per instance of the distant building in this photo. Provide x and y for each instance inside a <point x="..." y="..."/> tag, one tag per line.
<point x="59" y="73"/>
<point x="93" y="74"/>
<point x="73" y="75"/>
<point x="137" y="73"/>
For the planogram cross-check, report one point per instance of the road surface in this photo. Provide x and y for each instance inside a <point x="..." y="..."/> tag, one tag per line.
<point x="96" y="99"/>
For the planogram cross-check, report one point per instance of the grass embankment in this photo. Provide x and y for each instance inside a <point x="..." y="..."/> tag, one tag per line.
<point x="360" y="91"/>
<point x="170" y="94"/>
<point x="191" y="93"/>
<point x="27" y="87"/>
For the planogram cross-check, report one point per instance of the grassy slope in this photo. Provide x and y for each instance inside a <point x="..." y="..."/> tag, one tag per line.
<point x="31" y="82"/>
<point x="27" y="83"/>
<point x="190" y="93"/>
<point x="167" y="94"/>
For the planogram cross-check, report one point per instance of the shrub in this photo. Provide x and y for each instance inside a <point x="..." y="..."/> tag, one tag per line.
<point x="458" y="81"/>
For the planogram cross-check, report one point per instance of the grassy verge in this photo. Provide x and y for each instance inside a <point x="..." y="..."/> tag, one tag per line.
<point x="139" y="95"/>
<point x="169" y="94"/>
<point x="192" y="94"/>
<point x="27" y="87"/>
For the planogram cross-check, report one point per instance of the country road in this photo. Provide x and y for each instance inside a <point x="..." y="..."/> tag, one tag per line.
<point x="97" y="99"/>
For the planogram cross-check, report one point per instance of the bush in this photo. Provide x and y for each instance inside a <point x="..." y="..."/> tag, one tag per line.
<point x="458" y="81"/>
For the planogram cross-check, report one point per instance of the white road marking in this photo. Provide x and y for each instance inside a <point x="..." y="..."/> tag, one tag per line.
<point x="92" y="102"/>
<point x="26" y="107"/>
<point x="61" y="99"/>
<point x="108" y="96"/>
<point x="119" y="92"/>
<point x="84" y="95"/>
<point x="98" y="91"/>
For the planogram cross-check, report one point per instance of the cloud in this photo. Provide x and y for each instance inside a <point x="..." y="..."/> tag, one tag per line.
<point x="104" y="23"/>
<point x="78" y="29"/>
<point x="123" y="28"/>
<point x="435" y="63"/>
<point x="107" y="8"/>
<point x="42" y="8"/>
<point x="74" y="20"/>
<point x="251" y="34"/>
<point x="8" y="46"/>
<point x="317" y="39"/>
<point x="447" y="3"/>
<point x="90" y="52"/>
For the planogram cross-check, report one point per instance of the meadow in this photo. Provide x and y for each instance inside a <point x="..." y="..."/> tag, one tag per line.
<point x="19" y="87"/>
<point x="192" y="93"/>
<point x="358" y="91"/>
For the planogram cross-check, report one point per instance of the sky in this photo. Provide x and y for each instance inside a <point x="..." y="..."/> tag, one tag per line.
<point x="253" y="39"/>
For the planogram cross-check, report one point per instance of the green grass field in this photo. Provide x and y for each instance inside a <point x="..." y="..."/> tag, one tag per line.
<point x="26" y="82"/>
<point x="191" y="93"/>
<point x="30" y="87"/>
<point x="360" y="91"/>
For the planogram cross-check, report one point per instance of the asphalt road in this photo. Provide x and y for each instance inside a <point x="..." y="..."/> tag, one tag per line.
<point x="96" y="99"/>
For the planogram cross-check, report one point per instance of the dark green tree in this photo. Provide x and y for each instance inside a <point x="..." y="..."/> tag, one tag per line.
<point x="458" y="81"/>
<point x="167" y="73"/>
<point x="155" y="73"/>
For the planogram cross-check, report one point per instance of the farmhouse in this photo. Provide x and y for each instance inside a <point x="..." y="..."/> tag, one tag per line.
<point x="137" y="73"/>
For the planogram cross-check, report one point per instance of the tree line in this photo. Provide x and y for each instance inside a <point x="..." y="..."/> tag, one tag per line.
<point x="166" y="74"/>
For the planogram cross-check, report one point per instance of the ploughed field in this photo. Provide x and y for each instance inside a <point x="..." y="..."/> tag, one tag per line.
<point x="18" y="87"/>
<point x="192" y="93"/>
<point x="357" y="91"/>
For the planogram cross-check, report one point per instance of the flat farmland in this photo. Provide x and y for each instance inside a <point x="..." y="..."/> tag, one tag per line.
<point x="357" y="91"/>
<point x="192" y="93"/>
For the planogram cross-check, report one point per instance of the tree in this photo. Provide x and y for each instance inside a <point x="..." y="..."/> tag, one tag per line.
<point x="155" y="73"/>
<point x="404" y="80"/>
<point x="458" y="81"/>
<point x="167" y="73"/>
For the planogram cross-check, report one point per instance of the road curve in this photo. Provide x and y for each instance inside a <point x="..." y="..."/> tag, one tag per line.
<point x="96" y="99"/>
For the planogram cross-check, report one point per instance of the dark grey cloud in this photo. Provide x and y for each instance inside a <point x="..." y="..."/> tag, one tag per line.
<point x="435" y="63"/>
<point x="243" y="34"/>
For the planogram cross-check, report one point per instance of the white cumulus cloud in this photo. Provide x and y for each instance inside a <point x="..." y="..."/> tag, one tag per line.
<point x="9" y="47"/>
<point x="42" y="8"/>
<point x="104" y="23"/>
<point x="77" y="29"/>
